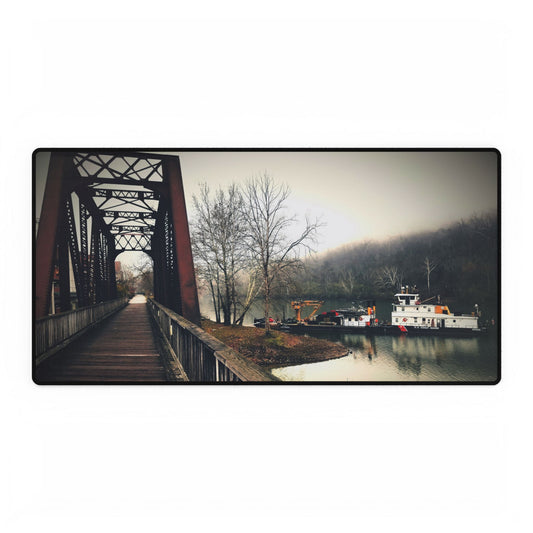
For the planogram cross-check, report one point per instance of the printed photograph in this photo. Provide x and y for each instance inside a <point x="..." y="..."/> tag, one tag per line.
<point x="266" y="266"/>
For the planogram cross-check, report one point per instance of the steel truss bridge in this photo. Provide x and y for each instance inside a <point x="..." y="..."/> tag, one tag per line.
<point x="97" y="204"/>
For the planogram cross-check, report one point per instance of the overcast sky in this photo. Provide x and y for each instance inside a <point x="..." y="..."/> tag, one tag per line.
<point x="359" y="195"/>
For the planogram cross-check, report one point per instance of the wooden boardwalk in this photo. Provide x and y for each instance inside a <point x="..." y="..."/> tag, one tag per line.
<point x="120" y="350"/>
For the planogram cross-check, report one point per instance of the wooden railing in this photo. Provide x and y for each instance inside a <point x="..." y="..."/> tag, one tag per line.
<point x="204" y="358"/>
<point x="54" y="332"/>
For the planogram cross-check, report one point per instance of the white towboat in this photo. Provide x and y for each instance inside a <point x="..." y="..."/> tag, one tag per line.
<point x="409" y="313"/>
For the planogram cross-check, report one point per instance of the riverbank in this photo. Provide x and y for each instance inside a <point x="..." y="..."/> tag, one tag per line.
<point x="280" y="349"/>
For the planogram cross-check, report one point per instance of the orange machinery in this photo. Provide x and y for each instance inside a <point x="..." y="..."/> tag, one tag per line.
<point x="297" y="305"/>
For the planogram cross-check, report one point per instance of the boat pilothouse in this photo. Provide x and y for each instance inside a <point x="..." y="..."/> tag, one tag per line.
<point x="408" y="312"/>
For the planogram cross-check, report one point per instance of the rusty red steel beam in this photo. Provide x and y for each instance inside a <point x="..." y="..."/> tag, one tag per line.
<point x="190" y="308"/>
<point x="154" y="186"/>
<point x="59" y="167"/>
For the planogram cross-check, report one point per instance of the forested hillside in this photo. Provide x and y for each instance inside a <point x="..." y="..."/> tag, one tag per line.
<point x="458" y="262"/>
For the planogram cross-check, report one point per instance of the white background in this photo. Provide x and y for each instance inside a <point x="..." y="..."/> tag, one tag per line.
<point x="315" y="458"/>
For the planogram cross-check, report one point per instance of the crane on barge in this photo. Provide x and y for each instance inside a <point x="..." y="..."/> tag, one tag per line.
<point x="297" y="305"/>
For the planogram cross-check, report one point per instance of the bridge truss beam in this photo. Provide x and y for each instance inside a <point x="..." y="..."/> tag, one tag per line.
<point x="99" y="204"/>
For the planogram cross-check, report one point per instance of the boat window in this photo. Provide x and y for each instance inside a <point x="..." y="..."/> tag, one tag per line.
<point x="423" y="319"/>
<point x="403" y="308"/>
<point x="416" y="319"/>
<point x="396" y="320"/>
<point x="417" y="308"/>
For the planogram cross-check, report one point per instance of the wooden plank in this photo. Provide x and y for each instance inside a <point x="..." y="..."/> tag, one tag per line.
<point x="122" y="349"/>
<point x="55" y="332"/>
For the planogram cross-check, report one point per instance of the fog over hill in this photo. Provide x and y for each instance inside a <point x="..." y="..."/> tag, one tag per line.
<point x="459" y="260"/>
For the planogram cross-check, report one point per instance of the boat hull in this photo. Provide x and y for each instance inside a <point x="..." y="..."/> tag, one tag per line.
<point x="385" y="330"/>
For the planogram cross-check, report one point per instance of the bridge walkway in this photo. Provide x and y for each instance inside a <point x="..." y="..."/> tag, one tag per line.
<point x="121" y="349"/>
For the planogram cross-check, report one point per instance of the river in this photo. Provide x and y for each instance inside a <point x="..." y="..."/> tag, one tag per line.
<point x="391" y="358"/>
<point x="402" y="358"/>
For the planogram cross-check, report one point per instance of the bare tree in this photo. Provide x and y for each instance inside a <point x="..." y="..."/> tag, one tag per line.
<point x="219" y="246"/>
<point x="249" y="287"/>
<point x="389" y="277"/>
<point x="267" y="226"/>
<point x="429" y="267"/>
<point x="207" y="273"/>
<point x="144" y="275"/>
<point x="347" y="280"/>
<point x="127" y="282"/>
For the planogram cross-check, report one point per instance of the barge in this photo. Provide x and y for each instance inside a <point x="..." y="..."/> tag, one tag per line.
<point x="409" y="316"/>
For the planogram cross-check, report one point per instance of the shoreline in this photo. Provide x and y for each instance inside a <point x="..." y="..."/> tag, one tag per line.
<point x="280" y="350"/>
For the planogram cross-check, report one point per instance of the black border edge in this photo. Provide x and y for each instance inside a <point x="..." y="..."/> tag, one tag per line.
<point x="496" y="151"/>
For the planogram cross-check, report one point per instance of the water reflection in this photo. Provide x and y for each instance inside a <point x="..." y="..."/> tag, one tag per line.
<point x="390" y="358"/>
<point x="387" y="358"/>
